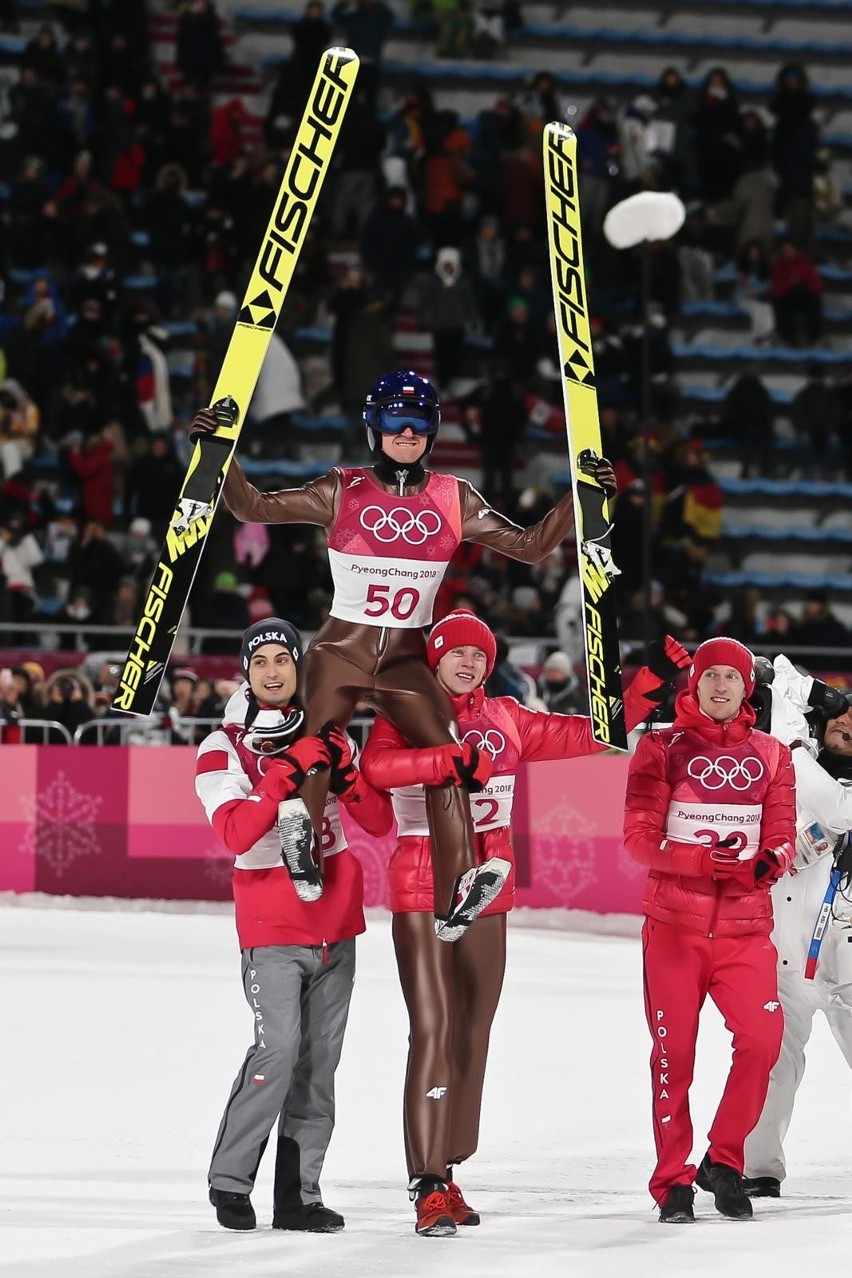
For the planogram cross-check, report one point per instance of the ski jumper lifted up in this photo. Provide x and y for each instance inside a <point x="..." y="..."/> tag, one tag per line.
<point x="392" y="530"/>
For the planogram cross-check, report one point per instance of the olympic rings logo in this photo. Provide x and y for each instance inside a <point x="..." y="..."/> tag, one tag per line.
<point x="414" y="527"/>
<point x="739" y="774"/>
<point x="492" y="741"/>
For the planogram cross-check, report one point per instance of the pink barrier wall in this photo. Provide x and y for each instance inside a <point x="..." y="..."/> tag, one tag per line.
<point x="126" y="822"/>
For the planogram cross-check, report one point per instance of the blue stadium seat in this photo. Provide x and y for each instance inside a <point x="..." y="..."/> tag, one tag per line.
<point x="306" y="422"/>
<point x="784" y="488"/>
<point x="761" y="533"/>
<point x="836" y="582"/>
<point x="177" y="329"/>
<point x="757" y="354"/>
<point x="517" y="75"/>
<point x="303" y="471"/>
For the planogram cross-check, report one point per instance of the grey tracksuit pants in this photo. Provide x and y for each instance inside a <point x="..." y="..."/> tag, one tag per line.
<point x="300" y="1006"/>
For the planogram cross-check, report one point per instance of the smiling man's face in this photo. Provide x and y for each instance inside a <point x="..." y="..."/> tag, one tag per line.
<point x="272" y="675"/>
<point x="462" y="669"/>
<point x="720" y="692"/>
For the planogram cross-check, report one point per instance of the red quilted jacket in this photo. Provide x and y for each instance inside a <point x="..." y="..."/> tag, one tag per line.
<point x="707" y="780"/>
<point x="512" y="735"/>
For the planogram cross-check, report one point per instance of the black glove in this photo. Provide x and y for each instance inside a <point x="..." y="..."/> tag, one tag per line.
<point x="600" y="469"/>
<point x="206" y="421"/>
<point x="771" y="864"/>
<point x="343" y="771"/>
<point x="472" y="767"/>
<point x="764" y="671"/>
<point x="831" y="701"/>
<point x="666" y="658"/>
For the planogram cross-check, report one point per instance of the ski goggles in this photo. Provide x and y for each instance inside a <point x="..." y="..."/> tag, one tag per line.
<point x="394" y="418"/>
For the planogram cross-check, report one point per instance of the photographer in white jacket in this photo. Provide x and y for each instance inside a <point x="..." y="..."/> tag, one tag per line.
<point x="812" y="906"/>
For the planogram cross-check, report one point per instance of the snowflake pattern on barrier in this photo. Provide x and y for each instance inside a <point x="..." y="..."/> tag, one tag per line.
<point x="218" y="866"/>
<point x="564" y="852"/>
<point x="374" y="864"/>
<point x="63" y="824"/>
<point x="626" y="867"/>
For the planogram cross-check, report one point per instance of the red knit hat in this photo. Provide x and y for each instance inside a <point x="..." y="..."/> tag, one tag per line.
<point x="722" y="652"/>
<point x="457" y="630"/>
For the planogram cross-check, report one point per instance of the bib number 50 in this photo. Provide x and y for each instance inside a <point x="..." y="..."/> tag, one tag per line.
<point x="400" y="604"/>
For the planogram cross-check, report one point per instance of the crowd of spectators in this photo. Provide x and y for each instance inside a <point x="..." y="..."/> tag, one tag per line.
<point x="132" y="208"/>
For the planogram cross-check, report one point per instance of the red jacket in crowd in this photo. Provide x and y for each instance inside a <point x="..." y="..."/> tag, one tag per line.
<point x="689" y="787"/>
<point x="94" y="466"/>
<point x="511" y="734"/>
<point x="798" y="268"/>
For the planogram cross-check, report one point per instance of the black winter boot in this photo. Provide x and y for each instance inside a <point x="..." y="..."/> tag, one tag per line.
<point x="313" y="1218"/>
<point x="677" y="1207"/>
<point x="762" y="1186"/>
<point x="233" y="1211"/>
<point x="726" y="1186"/>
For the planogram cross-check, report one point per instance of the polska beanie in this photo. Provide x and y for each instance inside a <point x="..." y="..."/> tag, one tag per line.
<point x="271" y="630"/>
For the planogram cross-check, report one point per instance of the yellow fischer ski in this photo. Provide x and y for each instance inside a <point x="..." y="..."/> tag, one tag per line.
<point x="591" y="509"/>
<point x="169" y="590"/>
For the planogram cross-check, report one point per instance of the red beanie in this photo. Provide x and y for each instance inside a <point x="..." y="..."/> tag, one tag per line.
<point x="457" y="630"/>
<point x="722" y="652"/>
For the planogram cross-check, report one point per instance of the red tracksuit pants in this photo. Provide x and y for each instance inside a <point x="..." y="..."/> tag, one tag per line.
<point x="739" y="974"/>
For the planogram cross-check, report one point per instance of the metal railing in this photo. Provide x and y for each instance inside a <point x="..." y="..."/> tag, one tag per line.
<point x="43" y="727"/>
<point x="197" y="634"/>
<point x="154" y="731"/>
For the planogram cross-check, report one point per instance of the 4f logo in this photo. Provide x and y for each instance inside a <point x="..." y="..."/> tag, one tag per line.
<point x="771" y="1007"/>
<point x="435" y="1093"/>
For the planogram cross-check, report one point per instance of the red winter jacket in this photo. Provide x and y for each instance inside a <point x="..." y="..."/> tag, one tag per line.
<point x="512" y="735"/>
<point x="230" y="784"/>
<point x="687" y="787"/>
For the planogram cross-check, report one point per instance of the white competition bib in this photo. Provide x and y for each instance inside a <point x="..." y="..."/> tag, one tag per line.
<point x="266" y="853"/>
<point x="490" y="809"/>
<point x="700" y="823"/>
<point x="399" y="593"/>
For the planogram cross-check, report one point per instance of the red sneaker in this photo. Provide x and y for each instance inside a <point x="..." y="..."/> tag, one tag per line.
<point x="462" y="1213"/>
<point x="435" y="1215"/>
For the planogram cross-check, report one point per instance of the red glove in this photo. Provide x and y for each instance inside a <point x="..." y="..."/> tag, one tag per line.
<point x="343" y="771"/>
<point x="771" y="864"/>
<point x="287" y="772"/>
<point x="721" y="861"/>
<point x="467" y="766"/>
<point x="729" y="869"/>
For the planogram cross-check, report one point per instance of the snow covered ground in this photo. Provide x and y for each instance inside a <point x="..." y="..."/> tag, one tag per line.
<point x="120" y="1033"/>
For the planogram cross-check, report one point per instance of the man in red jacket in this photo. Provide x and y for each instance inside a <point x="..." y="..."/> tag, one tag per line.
<point x="452" y="991"/>
<point x="710" y="810"/>
<point x="298" y="956"/>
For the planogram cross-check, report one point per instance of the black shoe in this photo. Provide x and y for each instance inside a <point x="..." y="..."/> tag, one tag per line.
<point x="762" y="1186"/>
<point x="313" y="1218"/>
<point x="726" y="1186"/>
<point x="677" y="1208"/>
<point x="234" y="1211"/>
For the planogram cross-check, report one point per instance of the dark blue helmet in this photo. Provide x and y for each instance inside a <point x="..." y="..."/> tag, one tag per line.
<point x="399" y="399"/>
